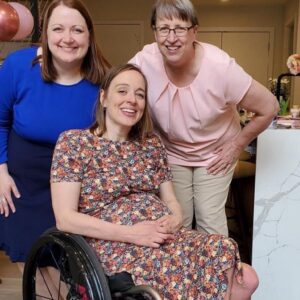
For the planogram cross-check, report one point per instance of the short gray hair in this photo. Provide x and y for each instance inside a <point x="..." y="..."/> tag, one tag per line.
<point x="181" y="9"/>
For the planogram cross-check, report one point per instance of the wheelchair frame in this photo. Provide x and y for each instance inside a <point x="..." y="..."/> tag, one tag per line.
<point x="80" y="271"/>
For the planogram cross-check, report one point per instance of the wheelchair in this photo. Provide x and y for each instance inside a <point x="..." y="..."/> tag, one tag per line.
<point x="79" y="270"/>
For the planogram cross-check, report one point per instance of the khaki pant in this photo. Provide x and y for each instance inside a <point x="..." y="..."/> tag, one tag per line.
<point x="203" y="195"/>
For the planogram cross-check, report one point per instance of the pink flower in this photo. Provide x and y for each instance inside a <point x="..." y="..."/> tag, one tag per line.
<point x="293" y="63"/>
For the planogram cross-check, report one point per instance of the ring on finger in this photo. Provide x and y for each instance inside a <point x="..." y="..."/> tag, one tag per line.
<point x="1" y="199"/>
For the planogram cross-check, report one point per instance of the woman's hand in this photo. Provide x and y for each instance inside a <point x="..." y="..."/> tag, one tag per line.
<point x="7" y="186"/>
<point x="264" y="106"/>
<point x="227" y="155"/>
<point x="149" y="233"/>
<point x="171" y="223"/>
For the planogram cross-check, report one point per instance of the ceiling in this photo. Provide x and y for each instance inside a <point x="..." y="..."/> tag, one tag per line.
<point x="239" y="2"/>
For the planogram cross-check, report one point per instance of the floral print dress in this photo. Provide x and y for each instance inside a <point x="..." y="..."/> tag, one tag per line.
<point x="120" y="184"/>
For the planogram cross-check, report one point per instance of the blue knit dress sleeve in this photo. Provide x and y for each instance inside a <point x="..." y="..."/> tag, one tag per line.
<point x="7" y="97"/>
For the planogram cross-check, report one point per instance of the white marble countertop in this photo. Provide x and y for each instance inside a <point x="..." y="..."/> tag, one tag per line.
<point x="276" y="232"/>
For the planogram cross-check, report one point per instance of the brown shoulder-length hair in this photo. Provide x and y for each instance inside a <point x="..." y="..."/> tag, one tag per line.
<point x="94" y="65"/>
<point x="140" y="130"/>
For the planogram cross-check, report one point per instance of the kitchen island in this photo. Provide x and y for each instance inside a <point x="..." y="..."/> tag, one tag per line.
<point x="276" y="226"/>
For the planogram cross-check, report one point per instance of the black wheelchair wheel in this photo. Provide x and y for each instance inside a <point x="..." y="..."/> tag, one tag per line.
<point x="80" y="274"/>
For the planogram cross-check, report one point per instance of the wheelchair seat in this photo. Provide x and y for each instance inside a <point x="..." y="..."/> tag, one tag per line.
<point x="79" y="272"/>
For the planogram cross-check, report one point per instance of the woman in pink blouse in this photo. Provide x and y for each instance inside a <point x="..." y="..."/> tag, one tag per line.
<point x="194" y="91"/>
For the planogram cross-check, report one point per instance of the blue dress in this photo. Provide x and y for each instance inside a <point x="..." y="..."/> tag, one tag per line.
<point x="32" y="115"/>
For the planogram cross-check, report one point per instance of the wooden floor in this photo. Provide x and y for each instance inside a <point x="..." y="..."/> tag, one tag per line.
<point x="11" y="283"/>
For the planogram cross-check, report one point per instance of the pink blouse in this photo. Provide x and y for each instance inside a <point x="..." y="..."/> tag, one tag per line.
<point x="194" y="120"/>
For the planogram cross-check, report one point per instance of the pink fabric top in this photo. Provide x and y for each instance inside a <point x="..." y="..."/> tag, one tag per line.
<point x="195" y="119"/>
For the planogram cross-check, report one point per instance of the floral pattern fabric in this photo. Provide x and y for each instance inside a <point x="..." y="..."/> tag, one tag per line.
<point x="120" y="184"/>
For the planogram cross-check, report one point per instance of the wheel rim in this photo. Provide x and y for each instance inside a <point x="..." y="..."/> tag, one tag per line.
<point x="79" y="271"/>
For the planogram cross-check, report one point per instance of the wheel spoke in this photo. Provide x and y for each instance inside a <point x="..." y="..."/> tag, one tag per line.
<point x="45" y="283"/>
<point x="73" y="268"/>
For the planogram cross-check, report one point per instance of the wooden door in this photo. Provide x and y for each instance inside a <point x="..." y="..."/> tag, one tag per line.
<point x="251" y="49"/>
<point x="119" y="41"/>
<point x="214" y="38"/>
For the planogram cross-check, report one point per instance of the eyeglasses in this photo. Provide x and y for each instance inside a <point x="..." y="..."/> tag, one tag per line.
<point x="178" y="31"/>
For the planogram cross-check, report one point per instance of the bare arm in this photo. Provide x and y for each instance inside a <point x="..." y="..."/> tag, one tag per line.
<point x="65" y="197"/>
<point x="167" y="194"/>
<point x="264" y="105"/>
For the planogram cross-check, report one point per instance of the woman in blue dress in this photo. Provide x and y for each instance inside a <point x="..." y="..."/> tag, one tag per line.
<point x="43" y="91"/>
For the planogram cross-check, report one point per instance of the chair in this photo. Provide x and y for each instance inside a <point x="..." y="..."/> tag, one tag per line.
<point x="79" y="271"/>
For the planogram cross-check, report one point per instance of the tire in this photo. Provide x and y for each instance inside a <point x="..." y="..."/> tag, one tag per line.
<point x="78" y="266"/>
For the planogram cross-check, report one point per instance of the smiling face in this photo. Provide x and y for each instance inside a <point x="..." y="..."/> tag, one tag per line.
<point x="68" y="37"/>
<point x="125" y="102"/>
<point x="175" y="50"/>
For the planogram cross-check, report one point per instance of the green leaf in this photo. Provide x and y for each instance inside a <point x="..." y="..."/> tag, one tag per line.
<point x="283" y="104"/>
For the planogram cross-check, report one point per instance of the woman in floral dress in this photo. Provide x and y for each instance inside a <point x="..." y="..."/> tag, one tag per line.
<point x="112" y="184"/>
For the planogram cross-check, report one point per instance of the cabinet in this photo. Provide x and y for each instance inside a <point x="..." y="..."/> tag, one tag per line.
<point x="252" y="48"/>
<point x="119" y="41"/>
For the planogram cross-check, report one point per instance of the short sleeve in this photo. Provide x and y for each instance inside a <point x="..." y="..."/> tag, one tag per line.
<point x="163" y="170"/>
<point x="237" y="82"/>
<point x="68" y="159"/>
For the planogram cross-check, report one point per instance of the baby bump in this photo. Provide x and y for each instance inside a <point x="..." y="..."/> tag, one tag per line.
<point x="134" y="208"/>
